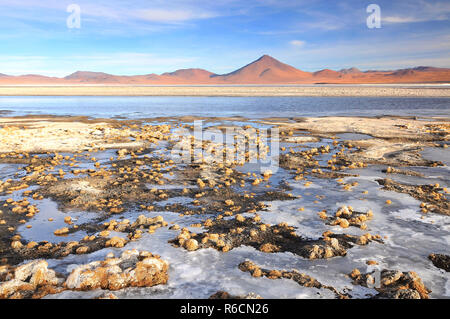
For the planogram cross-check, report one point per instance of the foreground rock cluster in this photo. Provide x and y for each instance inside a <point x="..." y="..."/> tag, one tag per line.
<point x="132" y="269"/>
<point x="31" y="280"/>
<point x="393" y="284"/>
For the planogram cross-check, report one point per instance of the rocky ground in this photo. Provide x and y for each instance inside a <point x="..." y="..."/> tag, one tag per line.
<point x="120" y="172"/>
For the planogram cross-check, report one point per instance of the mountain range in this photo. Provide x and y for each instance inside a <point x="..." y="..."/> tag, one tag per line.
<point x="265" y="70"/>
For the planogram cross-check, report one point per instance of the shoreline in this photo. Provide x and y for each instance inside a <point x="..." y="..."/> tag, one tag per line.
<point x="227" y="91"/>
<point x="391" y="128"/>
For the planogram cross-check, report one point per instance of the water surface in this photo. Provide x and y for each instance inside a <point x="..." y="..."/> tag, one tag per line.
<point x="250" y="107"/>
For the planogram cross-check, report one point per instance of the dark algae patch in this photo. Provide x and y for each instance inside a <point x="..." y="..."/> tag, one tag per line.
<point x="432" y="196"/>
<point x="225" y="235"/>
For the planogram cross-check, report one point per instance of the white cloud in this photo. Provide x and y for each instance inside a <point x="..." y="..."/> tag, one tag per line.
<point x="133" y="12"/>
<point x="419" y="49"/>
<point x="297" y="43"/>
<point x="399" y="19"/>
<point x="419" y="11"/>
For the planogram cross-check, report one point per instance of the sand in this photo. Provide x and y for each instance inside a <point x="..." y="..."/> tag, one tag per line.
<point x="387" y="127"/>
<point x="40" y="135"/>
<point x="69" y="134"/>
<point x="386" y="91"/>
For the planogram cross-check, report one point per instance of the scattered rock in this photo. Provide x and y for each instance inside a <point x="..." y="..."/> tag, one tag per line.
<point x="191" y="244"/>
<point x="346" y="216"/>
<point x="132" y="269"/>
<point x="61" y="232"/>
<point x="432" y="196"/>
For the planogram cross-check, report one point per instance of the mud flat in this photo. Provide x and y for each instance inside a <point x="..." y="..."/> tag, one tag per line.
<point x="222" y="228"/>
<point x="245" y="90"/>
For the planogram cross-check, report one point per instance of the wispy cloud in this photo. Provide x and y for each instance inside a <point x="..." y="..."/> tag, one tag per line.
<point x="410" y="19"/>
<point x="297" y="43"/>
<point x="161" y="35"/>
<point x="105" y="12"/>
<point x="173" y="16"/>
<point x="418" y="11"/>
<point x="420" y="49"/>
<point x="398" y="19"/>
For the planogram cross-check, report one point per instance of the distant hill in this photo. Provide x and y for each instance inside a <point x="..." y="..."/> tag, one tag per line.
<point x="265" y="70"/>
<point x="95" y="77"/>
<point x="327" y="73"/>
<point x="350" y="71"/>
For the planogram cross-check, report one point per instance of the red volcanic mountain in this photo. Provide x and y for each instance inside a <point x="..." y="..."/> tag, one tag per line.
<point x="265" y="70"/>
<point x="327" y="74"/>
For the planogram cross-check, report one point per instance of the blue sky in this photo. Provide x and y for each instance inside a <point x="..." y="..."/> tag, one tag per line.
<point x="154" y="36"/>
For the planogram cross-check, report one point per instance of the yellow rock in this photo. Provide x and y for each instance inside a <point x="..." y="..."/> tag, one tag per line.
<point x="344" y="223"/>
<point x="229" y="202"/>
<point x="31" y="244"/>
<point x="322" y="215"/>
<point x="61" y="231"/>
<point x="104" y="233"/>
<point x="191" y="244"/>
<point x="16" y="244"/>
<point x="82" y="250"/>
<point x="268" y="248"/>
<point x="117" y="242"/>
